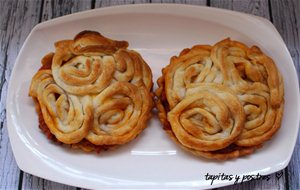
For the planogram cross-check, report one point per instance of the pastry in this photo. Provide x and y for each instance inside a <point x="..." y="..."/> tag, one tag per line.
<point x="92" y="93"/>
<point x="221" y="101"/>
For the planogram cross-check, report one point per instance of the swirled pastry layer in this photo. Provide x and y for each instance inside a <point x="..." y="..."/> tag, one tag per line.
<point x="67" y="116"/>
<point x="92" y="92"/>
<point x="201" y="91"/>
<point x="118" y="110"/>
<point x="209" y="117"/>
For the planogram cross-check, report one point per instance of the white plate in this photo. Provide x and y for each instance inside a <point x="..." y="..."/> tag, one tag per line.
<point x="152" y="160"/>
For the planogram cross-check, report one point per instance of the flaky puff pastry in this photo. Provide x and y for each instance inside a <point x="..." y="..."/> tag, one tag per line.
<point x="92" y="92"/>
<point x="201" y="90"/>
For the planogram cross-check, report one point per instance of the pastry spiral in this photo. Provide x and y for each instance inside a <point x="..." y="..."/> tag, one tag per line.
<point x="119" y="114"/>
<point x="258" y="84"/>
<point x="67" y="116"/>
<point x="93" y="93"/>
<point x="193" y="98"/>
<point x="209" y="118"/>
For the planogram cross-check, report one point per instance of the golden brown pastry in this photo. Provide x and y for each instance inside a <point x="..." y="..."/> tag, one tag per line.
<point x="118" y="110"/>
<point x="68" y="117"/>
<point x="221" y="101"/>
<point x="210" y="117"/>
<point x="92" y="93"/>
<point x="258" y="84"/>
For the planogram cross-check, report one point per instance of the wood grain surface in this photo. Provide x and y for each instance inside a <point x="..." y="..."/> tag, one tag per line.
<point x="18" y="17"/>
<point x="288" y="24"/>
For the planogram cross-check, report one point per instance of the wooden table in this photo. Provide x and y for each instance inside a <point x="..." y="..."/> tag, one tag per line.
<point x="18" y="17"/>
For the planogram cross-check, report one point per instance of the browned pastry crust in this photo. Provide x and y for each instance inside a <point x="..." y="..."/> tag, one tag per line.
<point x="84" y="144"/>
<point x="92" y="93"/>
<point x="201" y="90"/>
<point x="259" y="85"/>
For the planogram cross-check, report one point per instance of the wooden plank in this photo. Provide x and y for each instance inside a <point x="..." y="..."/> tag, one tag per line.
<point x="192" y="2"/>
<point x="57" y="8"/>
<point x="107" y="3"/>
<point x="6" y="8"/>
<point x="259" y="8"/>
<point x="17" y="19"/>
<point x="9" y="170"/>
<point x="33" y="182"/>
<point x="288" y="24"/>
<point x="52" y="9"/>
<point x="255" y="7"/>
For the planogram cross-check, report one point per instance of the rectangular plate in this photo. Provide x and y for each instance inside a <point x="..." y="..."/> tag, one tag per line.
<point x="152" y="160"/>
